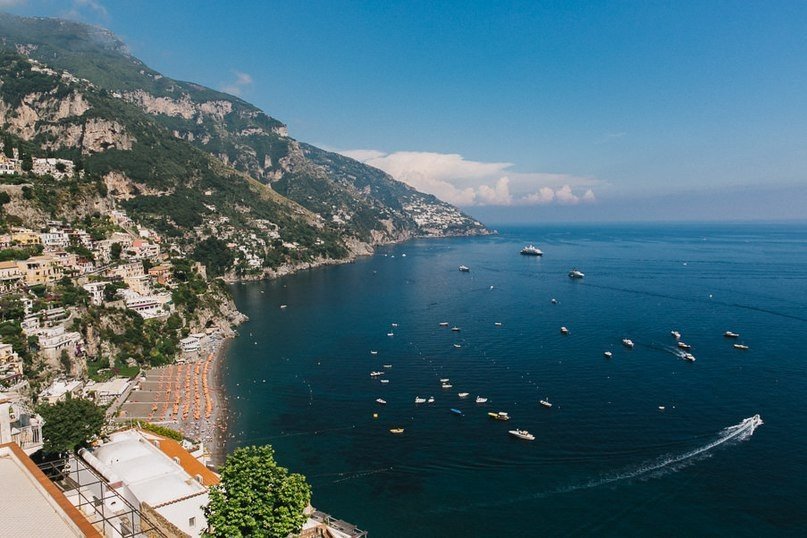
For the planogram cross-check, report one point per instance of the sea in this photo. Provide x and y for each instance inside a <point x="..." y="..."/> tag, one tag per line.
<point x="641" y="444"/>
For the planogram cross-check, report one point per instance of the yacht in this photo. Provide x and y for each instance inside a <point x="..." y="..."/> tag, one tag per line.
<point x="546" y="403"/>
<point x="683" y="345"/>
<point x="463" y="394"/>
<point x="522" y="434"/>
<point x="501" y="415"/>
<point x="564" y="330"/>
<point x="376" y="374"/>
<point x="627" y="342"/>
<point x="608" y="354"/>
<point x="396" y="430"/>
<point x="380" y="401"/>
<point x="676" y="335"/>
<point x="465" y="269"/>
<point x="729" y="334"/>
<point x="531" y="250"/>
<point x="576" y="273"/>
<point x="419" y="400"/>
<point x="740" y="346"/>
<point x="480" y="399"/>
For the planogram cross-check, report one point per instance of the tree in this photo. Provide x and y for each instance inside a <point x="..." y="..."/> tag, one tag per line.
<point x="70" y="424"/>
<point x="27" y="163"/>
<point x="4" y="198"/>
<point x="257" y="497"/>
<point x="115" y="250"/>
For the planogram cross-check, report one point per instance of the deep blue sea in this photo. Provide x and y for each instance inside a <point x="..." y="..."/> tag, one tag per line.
<point x="606" y="460"/>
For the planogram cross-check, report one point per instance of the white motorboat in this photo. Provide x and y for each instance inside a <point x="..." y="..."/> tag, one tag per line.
<point x="463" y="394"/>
<point x="380" y="401"/>
<point x="431" y="399"/>
<point x="497" y="323"/>
<point x="457" y="346"/>
<point x="443" y="324"/>
<point x="564" y="330"/>
<point x="576" y="273"/>
<point x="661" y="408"/>
<point x="683" y="345"/>
<point x="676" y="334"/>
<point x="688" y="357"/>
<point x="376" y="374"/>
<point x="390" y="334"/>
<point x="419" y="400"/>
<point x="465" y="269"/>
<point x="394" y="324"/>
<point x="447" y="385"/>
<point x="531" y="250"/>
<point x="384" y="381"/>
<point x="741" y="346"/>
<point x="443" y="380"/>
<point x="554" y="301"/>
<point x="387" y="366"/>
<point x="480" y="399"/>
<point x="284" y="306"/>
<point x="627" y="342"/>
<point x="608" y="354"/>
<point x="729" y="334"/>
<point x="522" y="434"/>
<point x="501" y="415"/>
<point x="374" y="353"/>
<point x="545" y="403"/>
<point x="455" y="329"/>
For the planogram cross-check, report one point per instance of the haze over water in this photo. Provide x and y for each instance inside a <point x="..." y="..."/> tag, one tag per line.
<point x="605" y="458"/>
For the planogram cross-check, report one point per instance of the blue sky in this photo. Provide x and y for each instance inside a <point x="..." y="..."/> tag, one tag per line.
<point x="518" y="111"/>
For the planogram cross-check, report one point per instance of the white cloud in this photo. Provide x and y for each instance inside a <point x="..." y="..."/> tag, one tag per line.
<point x="241" y="82"/>
<point x="462" y="182"/>
<point x="87" y="9"/>
<point x="10" y="3"/>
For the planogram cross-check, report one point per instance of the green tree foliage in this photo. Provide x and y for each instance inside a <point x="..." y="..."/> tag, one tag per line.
<point x="215" y="255"/>
<point x="70" y="424"/>
<point x="115" y="250"/>
<point x="257" y="497"/>
<point x="4" y="198"/>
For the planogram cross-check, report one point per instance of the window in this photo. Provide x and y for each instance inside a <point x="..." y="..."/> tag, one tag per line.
<point x="192" y="522"/>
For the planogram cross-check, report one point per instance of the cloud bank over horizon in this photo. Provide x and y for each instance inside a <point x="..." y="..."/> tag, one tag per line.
<point x="466" y="183"/>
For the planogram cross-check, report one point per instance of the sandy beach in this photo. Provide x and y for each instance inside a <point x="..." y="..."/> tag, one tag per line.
<point x="186" y="397"/>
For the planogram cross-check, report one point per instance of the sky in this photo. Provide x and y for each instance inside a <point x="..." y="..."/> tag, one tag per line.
<point x="515" y="111"/>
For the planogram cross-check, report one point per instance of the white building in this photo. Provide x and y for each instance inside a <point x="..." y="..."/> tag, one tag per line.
<point x="19" y="424"/>
<point x="107" y="391"/>
<point x="96" y="291"/>
<point x="55" y="239"/>
<point x="191" y="344"/>
<point x="148" y="306"/>
<point x="55" y="339"/>
<point x="60" y="389"/>
<point x="154" y="480"/>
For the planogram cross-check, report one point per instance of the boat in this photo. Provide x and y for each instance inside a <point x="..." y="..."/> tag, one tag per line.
<point x="443" y="380"/>
<point x="463" y="394"/>
<point x="284" y="306"/>
<point x="661" y="408"/>
<point x="740" y="346"/>
<point x="608" y="354"/>
<point x="374" y="353"/>
<point x="419" y="400"/>
<point x="457" y="346"/>
<point x="676" y="334"/>
<point x="394" y="324"/>
<point x="546" y="403"/>
<point x="688" y="357"/>
<point x="576" y="273"/>
<point x="396" y="430"/>
<point x="729" y="334"/>
<point x="443" y="324"/>
<point x="380" y="401"/>
<point x="501" y="415"/>
<point x="376" y="374"/>
<point x="497" y="323"/>
<point x="627" y="342"/>
<point x="384" y="380"/>
<point x="431" y="399"/>
<point x="387" y="366"/>
<point x="390" y="334"/>
<point x="531" y="250"/>
<point x="522" y="434"/>
<point x="564" y="330"/>
<point x="554" y="301"/>
<point x="447" y="385"/>
<point x="455" y="329"/>
<point x="456" y="411"/>
<point x="683" y="345"/>
<point x="465" y="269"/>
<point x="480" y="399"/>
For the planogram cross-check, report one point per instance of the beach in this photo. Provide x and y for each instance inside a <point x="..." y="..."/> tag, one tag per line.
<point x="187" y="397"/>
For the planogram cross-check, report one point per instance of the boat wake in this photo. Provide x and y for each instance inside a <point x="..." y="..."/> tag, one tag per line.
<point x="649" y="469"/>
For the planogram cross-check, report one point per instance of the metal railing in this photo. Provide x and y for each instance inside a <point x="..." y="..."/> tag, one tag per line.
<point x="338" y="524"/>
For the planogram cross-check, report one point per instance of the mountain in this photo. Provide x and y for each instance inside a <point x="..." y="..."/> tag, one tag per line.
<point x="196" y="163"/>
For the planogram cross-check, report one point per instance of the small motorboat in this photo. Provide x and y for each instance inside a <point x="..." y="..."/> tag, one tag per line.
<point x="676" y="334"/>
<point x="729" y="334"/>
<point x="430" y="400"/>
<point x="455" y="329"/>
<point x="456" y="411"/>
<point x="390" y="334"/>
<point x="419" y="400"/>
<point x="576" y="273"/>
<point x="465" y="269"/>
<point x="284" y="306"/>
<point x="688" y="357"/>
<point x="443" y="380"/>
<point x="463" y="394"/>
<point x="458" y="346"/>
<point x="443" y="324"/>
<point x="387" y="366"/>
<point x="381" y="401"/>
<point x="447" y="386"/>
<point x="564" y="330"/>
<point x="661" y="408"/>
<point x="554" y="301"/>
<point x="497" y="323"/>
<point x="501" y="415"/>
<point x="741" y="346"/>
<point x="522" y="434"/>
<point x="376" y="374"/>
<point x="480" y="399"/>
<point x="546" y="403"/>
<point x="627" y="342"/>
<point x="394" y="324"/>
<point x="374" y="353"/>
<point x="608" y="354"/>
<point x="531" y="250"/>
<point x="396" y="430"/>
<point x="384" y="380"/>
<point x="683" y="345"/>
